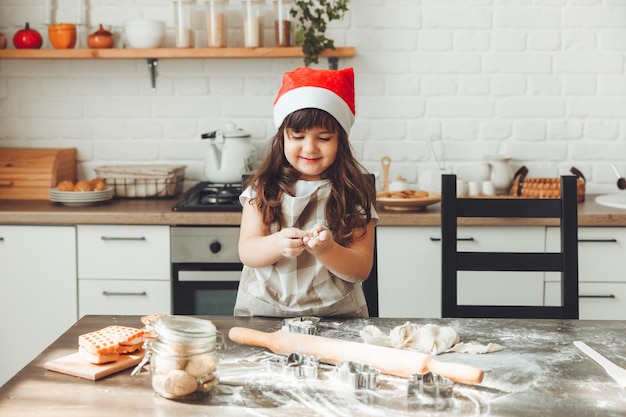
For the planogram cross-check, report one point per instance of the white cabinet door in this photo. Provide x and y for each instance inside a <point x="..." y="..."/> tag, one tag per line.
<point x="601" y="276"/>
<point x="124" y="269"/>
<point x="133" y="252"/>
<point x="409" y="269"/>
<point x="37" y="291"/>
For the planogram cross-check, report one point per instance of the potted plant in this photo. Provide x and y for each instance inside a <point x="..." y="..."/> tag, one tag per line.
<point x="312" y="18"/>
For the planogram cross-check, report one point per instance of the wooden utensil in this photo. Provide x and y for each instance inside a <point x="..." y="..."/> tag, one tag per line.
<point x="75" y="365"/>
<point x="385" y="161"/>
<point x="390" y="361"/>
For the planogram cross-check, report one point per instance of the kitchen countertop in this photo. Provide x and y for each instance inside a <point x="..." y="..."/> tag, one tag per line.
<point x="539" y="373"/>
<point x="159" y="211"/>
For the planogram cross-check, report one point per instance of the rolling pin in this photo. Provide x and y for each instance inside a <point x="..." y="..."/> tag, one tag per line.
<point x="390" y="361"/>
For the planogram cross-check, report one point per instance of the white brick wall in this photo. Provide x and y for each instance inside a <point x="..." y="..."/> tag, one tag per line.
<point x="539" y="80"/>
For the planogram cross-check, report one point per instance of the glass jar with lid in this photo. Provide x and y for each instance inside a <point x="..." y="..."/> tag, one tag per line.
<point x="183" y="31"/>
<point x="216" y="23"/>
<point x="282" y="22"/>
<point x="252" y="23"/>
<point x="183" y="360"/>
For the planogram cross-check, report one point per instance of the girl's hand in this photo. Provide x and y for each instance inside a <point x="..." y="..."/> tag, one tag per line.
<point x="290" y="242"/>
<point x="318" y="239"/>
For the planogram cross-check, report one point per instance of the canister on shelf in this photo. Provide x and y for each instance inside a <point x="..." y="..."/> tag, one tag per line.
<point x="252" y="23"/>
<point x="183" y="31"/>
<point x="215" y="23"/>
<point x="282" y="22"/>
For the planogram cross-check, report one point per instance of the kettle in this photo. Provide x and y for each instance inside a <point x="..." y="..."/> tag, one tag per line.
<point x="229" y="156"/>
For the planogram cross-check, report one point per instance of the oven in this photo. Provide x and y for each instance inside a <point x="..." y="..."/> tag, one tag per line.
<point x="205" y="260"/>
<point x="205" y="269"/>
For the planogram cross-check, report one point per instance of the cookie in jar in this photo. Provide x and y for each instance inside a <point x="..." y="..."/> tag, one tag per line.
<point x="183" y="357"/>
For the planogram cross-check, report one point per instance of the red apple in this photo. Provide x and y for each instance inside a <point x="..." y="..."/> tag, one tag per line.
<point x="27" y="38"/>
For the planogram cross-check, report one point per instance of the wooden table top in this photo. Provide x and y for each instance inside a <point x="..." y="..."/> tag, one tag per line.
<point x="539" y="373"/>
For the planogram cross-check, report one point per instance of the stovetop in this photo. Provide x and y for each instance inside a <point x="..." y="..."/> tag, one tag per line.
<point x="208" y="196"/>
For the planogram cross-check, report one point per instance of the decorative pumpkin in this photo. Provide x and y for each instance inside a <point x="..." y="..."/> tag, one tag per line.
<point x="27" y="38"/>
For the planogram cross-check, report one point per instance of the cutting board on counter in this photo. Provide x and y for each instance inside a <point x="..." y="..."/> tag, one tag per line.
<point x="75" y="365"/>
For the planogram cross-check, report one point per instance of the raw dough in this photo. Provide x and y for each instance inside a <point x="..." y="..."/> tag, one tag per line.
<point x="428" y="338"/>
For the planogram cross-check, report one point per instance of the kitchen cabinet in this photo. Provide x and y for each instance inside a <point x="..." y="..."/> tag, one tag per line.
<point x="602" y="281"/>
<point x="37" y="291"/>
<point x="409" y="267"/>
<point x="123" y="269"/>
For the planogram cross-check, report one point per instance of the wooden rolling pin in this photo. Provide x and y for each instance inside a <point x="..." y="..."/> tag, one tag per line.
<point x="390" y="361"/>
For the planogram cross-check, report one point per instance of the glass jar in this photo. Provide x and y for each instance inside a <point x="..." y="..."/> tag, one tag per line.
<point x="183" y="32"/>
<point x="252" y="23"/>
<point x="215" y="24"/>
<point x="183" y="361"/>
<point x="282" y="22"/>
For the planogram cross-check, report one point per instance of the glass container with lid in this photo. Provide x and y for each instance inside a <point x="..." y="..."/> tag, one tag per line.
<point x="183" y="31"/>
<point x="252" y="23"/>
<point x="282" y="22"/>
<point x="216" y="23"/>
<point x="183" y="361"/>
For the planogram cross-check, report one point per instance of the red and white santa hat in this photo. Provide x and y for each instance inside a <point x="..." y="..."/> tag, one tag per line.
<point x="328" y="90"/>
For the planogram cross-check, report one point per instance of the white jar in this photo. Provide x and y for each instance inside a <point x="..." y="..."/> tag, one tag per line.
<point x="252" y="23"/>
<point x="183" y="361"/>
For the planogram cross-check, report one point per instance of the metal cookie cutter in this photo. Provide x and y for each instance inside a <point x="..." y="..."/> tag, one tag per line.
<point x="429" y="389"/>
<point x="304" y="324"/>
<point x="357" y="375"/>
<point x="297" y="365"/>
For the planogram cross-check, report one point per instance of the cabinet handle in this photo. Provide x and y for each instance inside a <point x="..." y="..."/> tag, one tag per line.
<point x="612" y="240"/>
<point x="105" y="238"/>
<point x="459" y="239"/>
<point x="596" y="296"/>
<point x="1" y="238"/>
<point x="141" y="294"/>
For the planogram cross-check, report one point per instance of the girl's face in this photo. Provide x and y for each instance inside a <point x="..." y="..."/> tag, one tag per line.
<point x="311" y="152"/>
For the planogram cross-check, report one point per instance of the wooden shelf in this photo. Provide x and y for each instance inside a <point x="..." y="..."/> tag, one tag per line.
<point x="170" y="53"/>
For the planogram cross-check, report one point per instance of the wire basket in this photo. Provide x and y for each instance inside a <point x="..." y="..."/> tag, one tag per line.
<point x="143" y="181"/>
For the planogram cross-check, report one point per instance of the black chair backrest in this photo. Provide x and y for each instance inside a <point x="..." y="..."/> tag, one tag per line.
<point x="565" y="261"/>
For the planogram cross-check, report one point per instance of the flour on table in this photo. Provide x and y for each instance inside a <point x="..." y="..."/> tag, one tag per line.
<point x="428" y="338"/>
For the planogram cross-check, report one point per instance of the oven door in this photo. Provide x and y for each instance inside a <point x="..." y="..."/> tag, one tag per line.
<point x="208" y="289"/>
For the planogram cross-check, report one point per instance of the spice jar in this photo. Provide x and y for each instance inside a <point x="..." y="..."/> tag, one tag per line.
<point x="183" y="361"/>
<point x="252" y="23"/>
<point x="183" y="33"/>
<point x="282" y="22"/>
<point x="215" y="24"/>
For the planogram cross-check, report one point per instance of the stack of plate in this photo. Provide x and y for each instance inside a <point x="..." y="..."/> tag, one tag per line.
<point x="80" y="198"/>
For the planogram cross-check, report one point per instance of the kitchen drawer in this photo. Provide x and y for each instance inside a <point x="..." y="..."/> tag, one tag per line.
<point x="598" y="300"/>
<point x="123" y="252"/>
<point x="601" y="251"/>
<point x="135" y="297"/>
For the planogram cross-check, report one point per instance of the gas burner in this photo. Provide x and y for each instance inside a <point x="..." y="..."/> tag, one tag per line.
<point x="207" y="196"/>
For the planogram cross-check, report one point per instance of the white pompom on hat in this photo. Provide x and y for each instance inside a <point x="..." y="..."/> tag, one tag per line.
<point x="328" y="90"/>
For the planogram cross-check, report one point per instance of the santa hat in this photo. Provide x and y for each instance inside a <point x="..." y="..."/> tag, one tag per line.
<point x="328" y="90"/>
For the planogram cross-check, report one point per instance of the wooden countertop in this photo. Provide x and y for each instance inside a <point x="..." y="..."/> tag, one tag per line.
<point x="159" y="211"/>
<point x="539" y="373"/>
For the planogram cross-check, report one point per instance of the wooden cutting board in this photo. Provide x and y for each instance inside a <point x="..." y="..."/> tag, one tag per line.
<point x="75" y="365"/>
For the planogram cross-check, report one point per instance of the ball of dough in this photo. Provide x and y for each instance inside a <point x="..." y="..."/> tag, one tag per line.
<point x="83" y="186"/>
<point x="162" y="364"/>
<point x="200" y="365"/>
<point x="66" y="185"/>
<point x="179" y="383"/>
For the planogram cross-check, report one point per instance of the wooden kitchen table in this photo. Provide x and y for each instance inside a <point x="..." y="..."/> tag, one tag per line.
<point x="539" y="373"/>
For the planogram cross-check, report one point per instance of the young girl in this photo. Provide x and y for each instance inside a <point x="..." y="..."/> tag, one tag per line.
<point x="307" y="227"/>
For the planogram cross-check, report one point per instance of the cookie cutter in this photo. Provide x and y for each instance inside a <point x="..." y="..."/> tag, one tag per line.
<point x="357" y="375"/>
<point x="429" y="389"/>
<point x="304" y="324"/>
<point x="296" y="365"/>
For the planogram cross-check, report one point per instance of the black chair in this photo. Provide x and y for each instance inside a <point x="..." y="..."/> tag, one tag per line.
<point x="565" y="261"/>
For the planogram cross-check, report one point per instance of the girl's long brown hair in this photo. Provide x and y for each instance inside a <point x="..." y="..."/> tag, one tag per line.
<point x="352" y="195"/>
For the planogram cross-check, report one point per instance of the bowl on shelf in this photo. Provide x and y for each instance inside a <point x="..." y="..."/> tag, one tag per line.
<point x="62" y="36"/>
<point x="144" y="33"/>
